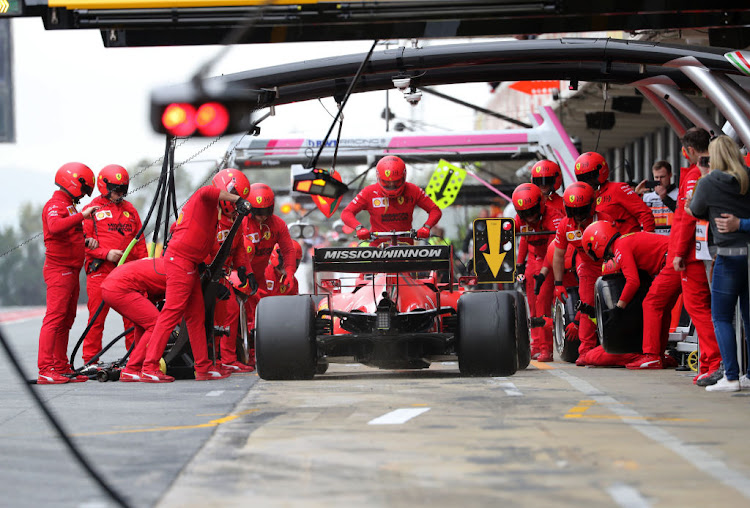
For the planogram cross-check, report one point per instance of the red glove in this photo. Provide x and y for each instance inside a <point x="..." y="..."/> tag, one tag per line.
<point x="571" y="331"/>
<point x="363" y="234"/>
<point x="288" y="276"/>
<point x="423" y="232"/>
<point x="560" y="293"/>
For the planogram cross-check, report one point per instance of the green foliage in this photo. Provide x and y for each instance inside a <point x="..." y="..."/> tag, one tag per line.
<point x="22" y="283"/>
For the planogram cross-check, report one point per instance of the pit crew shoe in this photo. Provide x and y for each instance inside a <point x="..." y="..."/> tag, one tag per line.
<point x="669" y="362"/>
<point x="129" y="376"/>
<point x="581" y="360"/>
<point x="545" y="356"/>
<point x="153" y="376"/>
<point x="711" y="378"/>
<point x="50" y="377"/>
<point x="211" y="374"/>
<point x="724" y="385"/>
<point x="251" y="358"/>
<point x="745" y="383"/>
<point x="235" y="367"/>
<point x="75" y="378"/>
<point x="645" y="362"/>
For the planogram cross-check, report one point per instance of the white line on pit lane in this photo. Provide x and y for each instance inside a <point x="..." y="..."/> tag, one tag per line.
<point x="214" y="393"/>
<point x="627" y="496"/>
<point x="693" y="454"/>
<point x="398" y="416"/>
<point x="508" y="387"/>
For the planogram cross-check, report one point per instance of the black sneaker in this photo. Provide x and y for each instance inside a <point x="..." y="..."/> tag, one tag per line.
<point x="711" y="379"/>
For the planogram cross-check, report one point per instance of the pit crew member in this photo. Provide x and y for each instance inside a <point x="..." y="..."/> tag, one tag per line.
<point x="114" y="225"/>
<point x="191" y="242"/>
<point x="634" y="252"/>
<point x="580" y="212"/>
<point x="64" y="244"/>
<point x="390" y="203"/>
<point x="536" y="215"/>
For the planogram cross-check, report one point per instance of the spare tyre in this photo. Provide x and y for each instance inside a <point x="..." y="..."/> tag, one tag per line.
<point x="626" y="335"/>
<point x="565" y="313"/>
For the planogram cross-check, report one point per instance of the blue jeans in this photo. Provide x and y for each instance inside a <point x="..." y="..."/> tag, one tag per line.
<point x="729" y="282"/>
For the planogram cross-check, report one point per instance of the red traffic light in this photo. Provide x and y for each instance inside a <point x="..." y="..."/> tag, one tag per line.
<point x="212" y="119"/>
<point x="182" y="119"/>
<point x="179" y="119"/>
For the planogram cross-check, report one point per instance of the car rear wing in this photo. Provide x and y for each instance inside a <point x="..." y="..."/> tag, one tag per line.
<point x="391" y="259"/>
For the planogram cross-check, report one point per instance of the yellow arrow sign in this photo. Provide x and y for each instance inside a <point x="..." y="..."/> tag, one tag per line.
<point x="495" y="257"/>
<point x="4" y="6"/>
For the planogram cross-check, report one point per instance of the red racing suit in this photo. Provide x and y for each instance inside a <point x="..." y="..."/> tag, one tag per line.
<point x="191" y="242"/>
<point x="639" y="251"/>
<point x="555" y="200"/>
<point x="628" y="211"/>
<point x="114" y="225"/>
<point x="390" y="213"/>
<point x="261" y="238"/>
<point x="539" y="305"/>
<point x="64" y="244"/>
<point x="692" y="283"/>
<point x="226" y="312"/>
<point x="588" y="270"/>
<point x="131" y="290"/>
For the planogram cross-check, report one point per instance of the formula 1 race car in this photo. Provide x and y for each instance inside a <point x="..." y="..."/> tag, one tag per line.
<point x="393" y="312"/>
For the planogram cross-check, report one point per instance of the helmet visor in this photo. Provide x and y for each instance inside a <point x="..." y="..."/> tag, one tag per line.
<point x="392" y="184"/>
<point x="530" y="213"/>
<point x="591" y="178"/>
<point x="578" y="214"/>
<point x="541" y="181"/>
<point x="263" y="212"/>
<point x="85" y="188"/>
<point x="119" y="188"/>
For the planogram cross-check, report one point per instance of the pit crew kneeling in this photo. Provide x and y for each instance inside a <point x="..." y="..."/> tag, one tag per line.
<point x="632" y="252"/>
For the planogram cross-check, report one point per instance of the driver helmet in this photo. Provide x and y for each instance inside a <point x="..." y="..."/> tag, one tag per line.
<point x="233" y="181"/>
<point x="579" y="201"/>
<point x="391" y="175"/>
<point x="261" y="199"/>
<point x="546" y="172"/>
<point x="76" y="179"/>
<point x="597" y="238"/>
<point x="113" y="178"/>
<point x="527" y="200"/>
<point x="277" y="260"/>
<point x="591" y="168"/>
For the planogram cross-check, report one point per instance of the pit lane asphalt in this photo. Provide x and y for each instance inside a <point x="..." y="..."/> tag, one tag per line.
<point x="552" y="435"/>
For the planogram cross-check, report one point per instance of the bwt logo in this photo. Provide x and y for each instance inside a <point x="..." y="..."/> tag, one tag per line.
<point x="353" y="142"/>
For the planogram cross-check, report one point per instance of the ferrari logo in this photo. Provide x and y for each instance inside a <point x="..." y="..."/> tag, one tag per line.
<point x="266" y="235"/>
<point x="258" y="199"/>
<point x="400" y="200"/>
<point x="538" y="170"/>
<point x="520" y="202"/>
<point x="118" y="176"/>
<point x="571" y="198"/>
<point x="126" y="214"/>
<point x="598" y="200"/>
<point x="249" y="249"/>
<point x="387" y="173"/>
<point x="578" y="165"/>
<point x="282" y="289"/>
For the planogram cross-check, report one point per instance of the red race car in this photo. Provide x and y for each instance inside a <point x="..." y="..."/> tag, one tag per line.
<point x="399" y="308"/>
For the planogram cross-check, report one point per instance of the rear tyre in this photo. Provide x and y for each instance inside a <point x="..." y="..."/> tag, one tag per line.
<point x="486" y="334"/>
<point x="523" y="335"/>
<point x="285" y="346"/>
